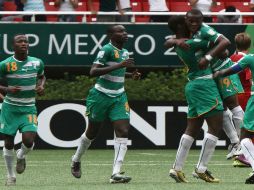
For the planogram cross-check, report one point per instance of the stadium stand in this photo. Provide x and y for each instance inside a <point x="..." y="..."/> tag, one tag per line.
<point x="219" y="6"/>
<point x="82" y="6"/>
<point x="178" y="6"/>
<point x="139" y="6"/>
<point x="11" y="6"/>
<point x="50" y="6"/>
<point x="243" y="7"/>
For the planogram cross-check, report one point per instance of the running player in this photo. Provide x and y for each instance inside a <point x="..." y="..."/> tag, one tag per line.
<point x="25" y="77"/>
<point x="107" y="99"/>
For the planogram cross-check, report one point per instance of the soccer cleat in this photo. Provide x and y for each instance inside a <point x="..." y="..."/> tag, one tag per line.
<point x="10" y="181"/>
<point x="233" y="149"/>
<point x="76" y="169"/>
<point x="250" y="180"/>
<point x="241" y="161"/>
<point x="21" y="165"/>
<point x="119" y="178"/>
<point x="178" y="176"/>
<point x="206" y="176"/>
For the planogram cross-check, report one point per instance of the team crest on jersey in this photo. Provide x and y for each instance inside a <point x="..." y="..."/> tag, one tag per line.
<point x="116" y="54"/>
<point x="100" y="54"/>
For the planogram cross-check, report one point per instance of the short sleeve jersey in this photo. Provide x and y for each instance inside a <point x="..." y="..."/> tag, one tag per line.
<point x="21" y="74"/>
<point x="207" y="33"/>
<point x="245" y="75"/>
<point x="248" y="62"/>
<point x="112" y="83"/>
<point x="192" y="56"/>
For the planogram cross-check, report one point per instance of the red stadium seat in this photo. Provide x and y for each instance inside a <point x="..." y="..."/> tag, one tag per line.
<point x="50" y="6"/>
<point x="82" y="6"/>
<point x="235" y="1"/>
<point x="219" y="6"/>
<point x="180" y="6"/>
<point x="136" y="6"/>
<point x="96" y="7"/>
<point x="145" y="8"/>
<point x="9" y="6"/>
<point x="243" y="7"/>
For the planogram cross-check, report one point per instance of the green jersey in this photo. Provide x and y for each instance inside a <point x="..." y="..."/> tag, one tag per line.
<point x="191" y="57"/>
<point x="207" y="33"/>
<point x="112" y="83"/>
<point x="219" y="64"/>
<point x="248" y="61"/>
<point x="22" y="74"/>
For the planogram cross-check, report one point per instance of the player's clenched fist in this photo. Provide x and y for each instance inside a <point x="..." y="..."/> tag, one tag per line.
<point x="128" y="62"/>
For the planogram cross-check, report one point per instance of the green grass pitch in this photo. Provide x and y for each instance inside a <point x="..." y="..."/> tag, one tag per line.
<point x="50" y="170"/>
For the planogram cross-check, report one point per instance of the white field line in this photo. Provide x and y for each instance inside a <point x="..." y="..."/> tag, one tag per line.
<point x="127" y="163"/>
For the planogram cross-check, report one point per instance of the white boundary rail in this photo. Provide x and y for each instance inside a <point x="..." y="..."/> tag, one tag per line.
<point x="85" y="13"/>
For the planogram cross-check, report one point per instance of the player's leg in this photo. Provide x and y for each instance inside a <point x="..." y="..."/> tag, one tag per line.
<point x="26" y="146"/>
<point x="9" y="158"/>
<point x="231" y="133"/>
<point x="119" y="115"/>
<point x="247" y="133"/>
<point x="237" y="112"/>
<point x="84" y="143"/>
<point x="209" y="143"/>
<point x="121" y="128"/>
<point x="97" y="105"/>
<point x="9" y="127"/>
<point x="193" y="128"/>
<point x="248" y="151"/>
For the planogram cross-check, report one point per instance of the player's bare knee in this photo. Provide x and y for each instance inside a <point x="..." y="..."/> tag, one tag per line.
<point x="122" y="132"/>
<point x="9" y="145"/>
<point x="28" y="143"/>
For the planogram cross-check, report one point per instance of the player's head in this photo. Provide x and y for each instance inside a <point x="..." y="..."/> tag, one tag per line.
<point x="194" y="19"/>
<point x="242" y="41"/>
<point x="20" y="43"/>
<point x="178" y="26"/>
<point x="117" y="33"/>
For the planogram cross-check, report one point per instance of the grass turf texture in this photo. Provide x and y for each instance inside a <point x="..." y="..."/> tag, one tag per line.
<point x="50" y="170"/>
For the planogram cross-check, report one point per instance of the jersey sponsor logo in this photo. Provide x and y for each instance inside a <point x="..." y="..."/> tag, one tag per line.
<point x="211" y="32"/>
<point x="100" y="54"/>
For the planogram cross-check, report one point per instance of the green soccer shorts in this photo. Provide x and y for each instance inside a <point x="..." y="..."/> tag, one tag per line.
<point x="18" y="118"/>
<point x="203" y="98"/>
<point x="99" y="106"/>
<point x="229" y="86"/>
<point x="248" y="120"/>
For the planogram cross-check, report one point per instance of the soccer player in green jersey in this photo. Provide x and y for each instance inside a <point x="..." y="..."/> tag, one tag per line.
<point x="25" y="77"/>
<point x="204" y="103"/>
<point x="107" y="99"/>
<point x="247" y="127"/>
<point x="226" y="85"/>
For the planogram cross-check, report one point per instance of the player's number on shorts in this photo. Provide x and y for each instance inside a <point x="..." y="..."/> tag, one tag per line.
<point x="225" y="82"/>
<point x="32" y="118"/>
<point x="12" y="66"/>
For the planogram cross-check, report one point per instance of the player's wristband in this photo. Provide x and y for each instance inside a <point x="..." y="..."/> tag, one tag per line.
<point x="208" y="57"/>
